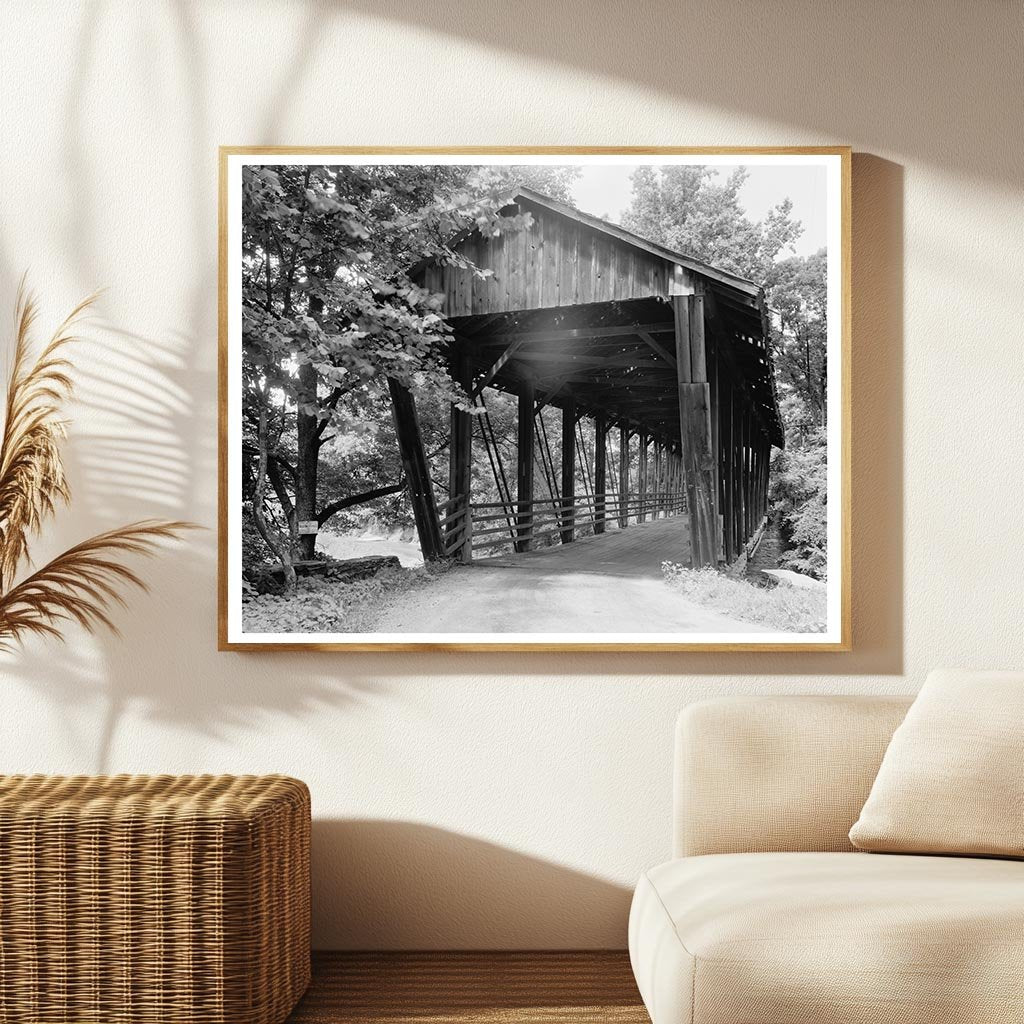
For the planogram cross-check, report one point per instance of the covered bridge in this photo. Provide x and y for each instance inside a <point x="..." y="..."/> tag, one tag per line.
<point x="582" y="315"/>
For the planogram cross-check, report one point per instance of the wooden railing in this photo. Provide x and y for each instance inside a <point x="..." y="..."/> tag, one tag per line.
<point x="456" y="526"/>
<point x="479" y="526"/>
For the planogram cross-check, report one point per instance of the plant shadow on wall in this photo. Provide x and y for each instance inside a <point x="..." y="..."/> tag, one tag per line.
<point x="146" y="440"/>
<point x="136" y="398"/>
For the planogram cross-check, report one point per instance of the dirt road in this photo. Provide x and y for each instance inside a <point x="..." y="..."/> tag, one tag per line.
<point x="608" y="584"/>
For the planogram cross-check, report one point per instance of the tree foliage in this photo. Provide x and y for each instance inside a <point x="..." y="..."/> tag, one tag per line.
<point x="799" y="492"/>
<point x="691" y="209"/>
<point x="330" y="313"/>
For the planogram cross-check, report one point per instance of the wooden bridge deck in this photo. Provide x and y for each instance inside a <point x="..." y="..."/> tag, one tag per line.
<point x="637" y="551"/>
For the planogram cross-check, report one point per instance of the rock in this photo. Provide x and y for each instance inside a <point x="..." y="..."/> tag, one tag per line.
<point x="796" y="579"/>
<point x="761" y="578"/>
<point x="341" y="570"/>
<point x="349" y="569"/>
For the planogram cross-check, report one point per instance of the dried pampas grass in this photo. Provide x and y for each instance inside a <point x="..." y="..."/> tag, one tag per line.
<point x="83" y="583"/>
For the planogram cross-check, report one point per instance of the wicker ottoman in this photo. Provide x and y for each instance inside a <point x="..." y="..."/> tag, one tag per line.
<point x="134" y="899"/>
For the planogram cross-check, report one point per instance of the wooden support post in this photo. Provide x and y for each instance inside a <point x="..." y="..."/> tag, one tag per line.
<point x="623" y="477"/>
<point x="743" y="477"/>
<point x="746" y="474"/>
<point x="417" y="472"/>
<point x="695" y="427"/>
<point x="716" y="445"/>
<point x="758" y="488"/>
<point x="739" y="478"/>
<point x="524" y="468"/>
<point x="642" y="482"/>
<point x="681" y="477"/>
<point x="600" y="470"/>
<point x="677" y="477"/>
<point x="658" y="489"/>
<point x="568" y="514"/>
<point x="460" y="462"/>
<point x="738" y="457"/>
<point x="765" y="484"/>
<point x="728" y="479"/>
<point x="755" y="473"/>
<point x="752" y="480"/>
<point x="766" y="458"/>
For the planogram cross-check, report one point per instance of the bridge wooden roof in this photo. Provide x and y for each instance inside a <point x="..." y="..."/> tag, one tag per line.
<point x="582" y="309"/>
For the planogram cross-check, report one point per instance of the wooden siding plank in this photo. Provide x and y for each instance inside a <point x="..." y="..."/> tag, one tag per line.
<point x="534" y="266"/>
<point x="568" y="265"/>
<point x="552" y="259"/>
<point x="602" y="251"/>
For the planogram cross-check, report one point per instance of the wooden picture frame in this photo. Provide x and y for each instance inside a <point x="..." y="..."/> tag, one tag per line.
<point x="701" y="300"/>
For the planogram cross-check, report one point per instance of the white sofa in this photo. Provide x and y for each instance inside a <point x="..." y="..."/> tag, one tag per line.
<point x="767" y="914"/>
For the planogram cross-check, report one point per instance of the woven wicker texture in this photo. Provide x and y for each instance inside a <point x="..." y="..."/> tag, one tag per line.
<point x="138" y="899"/>
<point x="472" y="988"/>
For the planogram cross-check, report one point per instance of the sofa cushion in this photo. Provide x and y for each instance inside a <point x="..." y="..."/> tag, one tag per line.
<point x="830" y="938"/>
<point x="780" y="773"/>
<point x="952" y="778"/>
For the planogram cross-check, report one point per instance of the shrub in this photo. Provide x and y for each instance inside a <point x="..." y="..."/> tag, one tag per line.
<point x="784" y="608"/>
<point x="329" y="606"/>
<point x="799" y="496"/>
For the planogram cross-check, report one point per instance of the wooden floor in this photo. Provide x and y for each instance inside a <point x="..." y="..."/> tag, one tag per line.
<point x="471" y="988"/>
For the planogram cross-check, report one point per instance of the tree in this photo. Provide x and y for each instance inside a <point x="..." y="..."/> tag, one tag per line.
<point x="331" y="314"/>
<point x="687" y="208"/>
<point x="550" y="179"/>
<point x="799" y="296"/>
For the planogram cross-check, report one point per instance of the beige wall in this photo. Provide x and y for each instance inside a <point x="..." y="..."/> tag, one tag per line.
<point x="492" y="800"/>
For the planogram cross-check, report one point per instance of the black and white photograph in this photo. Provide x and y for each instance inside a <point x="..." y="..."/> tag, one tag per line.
<point x="515" y="399"/>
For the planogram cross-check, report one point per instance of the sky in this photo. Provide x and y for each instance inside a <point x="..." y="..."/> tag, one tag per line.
<point x="604" y="190"/>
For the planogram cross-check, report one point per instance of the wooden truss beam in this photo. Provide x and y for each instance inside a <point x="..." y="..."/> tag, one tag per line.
<point x="495" y="369"/>
<point x="567" y="359"/>
<point x="580" y="333"/>
<point x="657" y="347"/>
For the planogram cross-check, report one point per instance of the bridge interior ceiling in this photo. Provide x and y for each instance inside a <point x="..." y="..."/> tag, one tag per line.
<point x="617" y="359"/>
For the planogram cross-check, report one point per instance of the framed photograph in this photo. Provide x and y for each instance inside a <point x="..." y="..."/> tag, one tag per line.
<point x="518" y="399"/>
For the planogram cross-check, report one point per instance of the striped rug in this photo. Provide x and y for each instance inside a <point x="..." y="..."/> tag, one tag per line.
<point x="471" y="988"/>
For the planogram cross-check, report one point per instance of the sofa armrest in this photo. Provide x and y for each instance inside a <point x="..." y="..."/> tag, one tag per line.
<point x="765" y="774"/>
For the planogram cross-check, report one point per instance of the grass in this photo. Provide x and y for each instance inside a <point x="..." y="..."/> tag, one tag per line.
<point x="784" y="608"/>
<point x="330" y="606"/>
